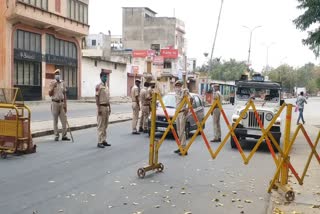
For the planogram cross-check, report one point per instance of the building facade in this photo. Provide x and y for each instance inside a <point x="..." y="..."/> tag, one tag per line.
<point x="38" y="37"/>
<point x="159" y="40"/>
<point x="99" y="55"/>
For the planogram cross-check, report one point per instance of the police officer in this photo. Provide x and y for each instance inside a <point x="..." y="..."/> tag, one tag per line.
<point x="182" y="116"/>
<point x="104" y="110"/>
<point x="57" y="92"/>
<point x="145" y="108"/>
<point x="135" y="94"/>
<point x="216" y="115"/>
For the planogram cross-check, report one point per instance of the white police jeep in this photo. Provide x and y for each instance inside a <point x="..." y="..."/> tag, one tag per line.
<point x="266" y="98"/>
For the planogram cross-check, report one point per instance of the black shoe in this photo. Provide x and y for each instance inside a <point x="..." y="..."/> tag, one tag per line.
<point x="140" y="129"/>
<point x="105" y="143"/>
<point x="181" y="153"/>
<point x="56" y="139"/>
<point x="100" y="145"/>
<point x="177" y="151"/>
<point x="135" y="132"/>
<point x="216" y="140"/>
<point x="65" y="138"/>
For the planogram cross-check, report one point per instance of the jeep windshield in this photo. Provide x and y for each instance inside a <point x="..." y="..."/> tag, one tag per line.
<point x="258" y="94"/>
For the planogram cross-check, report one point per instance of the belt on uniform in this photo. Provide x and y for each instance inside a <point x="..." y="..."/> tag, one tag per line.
<point x="146" y="105"/>
<point x="57" y="101"/>
<point x="104" y="104"/>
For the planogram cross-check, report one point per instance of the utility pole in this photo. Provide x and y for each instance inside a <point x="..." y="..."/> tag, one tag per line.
<point x="214" y="41"/>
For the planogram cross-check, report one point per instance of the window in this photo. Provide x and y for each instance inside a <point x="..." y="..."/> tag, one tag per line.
<point x="69" y="75"/>
<point x="115" y="66"/>
<point x="78" y="11"/>
<point x="156" y="47"/>
<point x="26" y="73"/>
<point x="28" y="41"/>
<point x="60" y="47"/>
<point x="167" y="64"/>
<point x="93" y="42"/>
<point x="43" y="4"/>
<point x="95" y="63"/>
<point x="56" y="47"/>
<point x="32" y="42"/>
<point x="38" y="43"/>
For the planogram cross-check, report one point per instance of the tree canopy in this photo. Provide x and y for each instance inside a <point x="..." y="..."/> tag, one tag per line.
<point x="225" y="70"/>
<point x="310" y="19"/>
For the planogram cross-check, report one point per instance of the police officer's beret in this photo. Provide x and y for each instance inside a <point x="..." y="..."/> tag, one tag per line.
<point x="178" y="82"/>
<point x="57" y="71"/>
<point x="138" y="80"/>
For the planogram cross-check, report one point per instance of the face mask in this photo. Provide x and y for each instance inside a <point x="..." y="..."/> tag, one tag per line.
<point x="177" y="89"/>
<point x="57" y="77"/>
<point x="104" y="79"/>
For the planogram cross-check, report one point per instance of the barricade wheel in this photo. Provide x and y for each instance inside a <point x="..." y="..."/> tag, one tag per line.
<point x="290" y="195"/>
<point x="141" y="173"/>
<point x="274" y="186"/>
<point x="3" y="155"/>
<point x="160" y="168"/>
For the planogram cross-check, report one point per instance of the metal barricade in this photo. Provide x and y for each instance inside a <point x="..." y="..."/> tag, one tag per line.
<point x="282" y="161"/>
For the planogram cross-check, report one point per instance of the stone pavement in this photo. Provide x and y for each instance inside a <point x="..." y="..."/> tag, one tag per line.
<point x="307" y="196"/>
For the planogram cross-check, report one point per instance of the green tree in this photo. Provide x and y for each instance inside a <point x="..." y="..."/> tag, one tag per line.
<point x="227" y="70"/>
<point x="310" y="17"/>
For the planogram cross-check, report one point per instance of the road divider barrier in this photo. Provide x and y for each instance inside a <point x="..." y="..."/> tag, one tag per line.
<point x="282" y="160"/>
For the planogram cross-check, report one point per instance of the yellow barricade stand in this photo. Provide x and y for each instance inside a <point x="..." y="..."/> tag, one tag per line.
<point x="15" y="132"/>
<point x="282" y="161"/>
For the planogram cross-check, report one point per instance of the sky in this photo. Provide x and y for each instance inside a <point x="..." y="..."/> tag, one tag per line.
<point x="275" y="17"/>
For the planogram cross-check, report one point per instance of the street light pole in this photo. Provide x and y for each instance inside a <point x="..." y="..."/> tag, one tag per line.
<point x="251" y="31"/>
<point x="267" y="61"/>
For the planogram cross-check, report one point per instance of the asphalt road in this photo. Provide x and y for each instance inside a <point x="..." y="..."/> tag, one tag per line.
<point x="80" y="178"/>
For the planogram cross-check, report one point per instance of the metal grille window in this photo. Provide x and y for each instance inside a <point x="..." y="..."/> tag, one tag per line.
<point x="68" y="75"/>
<point x="26" y="73"/>
<point x="42" y="4"/>
<point x="78" y="11"/>
<point x="58" y="47"/>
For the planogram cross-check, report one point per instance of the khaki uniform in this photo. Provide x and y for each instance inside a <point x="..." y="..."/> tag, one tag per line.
<point x="145" y="108"/>
<point x="216" y="117"/>
<point x="181" y="119"/>
<point x="135" y="107"/>
<point x="57" y="105"/>
<point x="103" y="94"/>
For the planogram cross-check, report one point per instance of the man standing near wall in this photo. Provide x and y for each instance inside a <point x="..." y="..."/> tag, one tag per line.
<point x="57" y="92"/>
<point x="145" y="108"/>
<point x="135" y="94"/>
<point x="216" y="114"/>
<point x="103" y="110"/>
